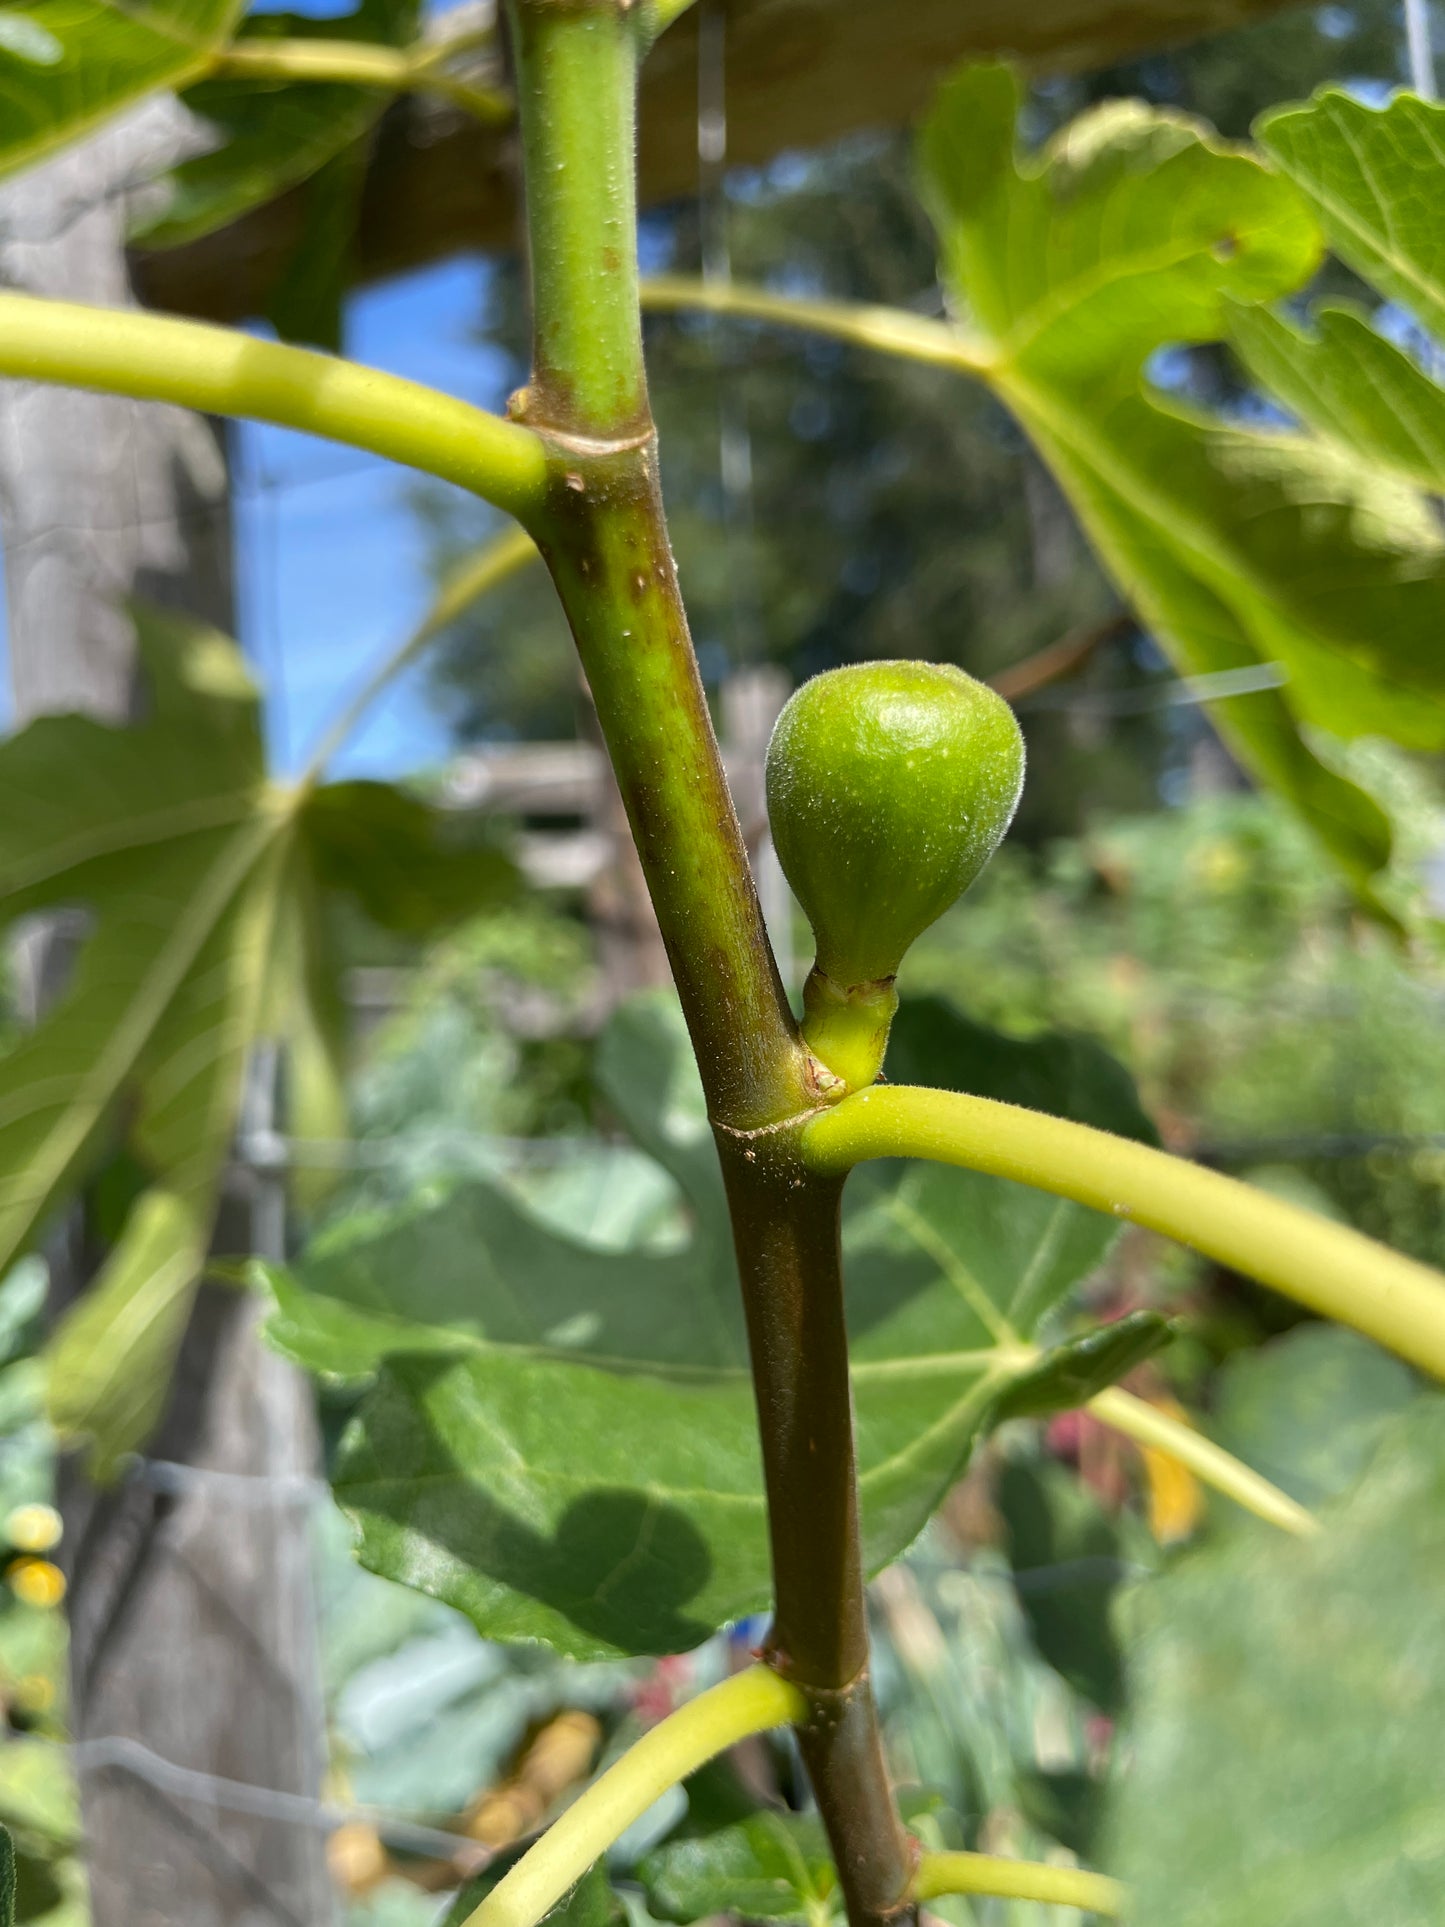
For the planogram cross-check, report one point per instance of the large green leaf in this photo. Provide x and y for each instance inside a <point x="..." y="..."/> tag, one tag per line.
<point x="1242" y="550"/>
<point x="1373" y="177"/>
<point x="1284" y="1757"/>
<point x="73" y="64"/>
<point x="170" y="840"/>
<point x="197" y="876"/>
<point x="561" y="1439"/>
<point x="412" y="869"/>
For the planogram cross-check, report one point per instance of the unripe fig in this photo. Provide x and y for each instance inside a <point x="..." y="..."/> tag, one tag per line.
<point x="890" y="785"/>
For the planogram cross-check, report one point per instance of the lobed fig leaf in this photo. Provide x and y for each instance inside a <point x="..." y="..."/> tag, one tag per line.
<point x="890" y="785"/>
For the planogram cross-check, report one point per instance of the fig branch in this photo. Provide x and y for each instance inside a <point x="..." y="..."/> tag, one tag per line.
<point x="750" y="1702"/>
<point x="603" y="535"/>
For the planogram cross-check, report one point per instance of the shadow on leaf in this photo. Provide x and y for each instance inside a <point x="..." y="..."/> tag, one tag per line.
<point x="615" y="1573"/>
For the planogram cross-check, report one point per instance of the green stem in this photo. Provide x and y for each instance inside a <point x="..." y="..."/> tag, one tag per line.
<point x="1325" y="1266"/>
<point x="846" y="1029"/>
<point x="606" y="544"/>
<point x="576" y="68"/>
<point x="1136" y="1419"/>
<point x="604" y="537"/>
<point x="748" y="1703"/>
<point x="473" y="577"/>
<point x="219" y="371"/>
<point x="360" y="63"/>
<point x="986" y="1873"/>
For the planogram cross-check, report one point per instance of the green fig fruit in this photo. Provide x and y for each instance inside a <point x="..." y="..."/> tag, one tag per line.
<point x="890" y="785"/>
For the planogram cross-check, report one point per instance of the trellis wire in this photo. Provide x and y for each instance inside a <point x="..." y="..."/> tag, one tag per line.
<point x="120" y="1752"/>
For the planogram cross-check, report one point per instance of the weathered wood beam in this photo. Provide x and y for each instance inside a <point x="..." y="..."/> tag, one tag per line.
<point x="800" y="73"/>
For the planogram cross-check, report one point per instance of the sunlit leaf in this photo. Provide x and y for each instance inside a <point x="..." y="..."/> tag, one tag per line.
<point x="1242" y="550"/>
<point x="561" y="1439"/>
<point x="1288" y="1696"/>
<point x="37" y="1792"/>
<point x="28" y="40"/>
<point x="68" y="66"/>
<point x="169" y="839"/>
<point x="111" y="1360"/>
<point x="1372" y="176"/>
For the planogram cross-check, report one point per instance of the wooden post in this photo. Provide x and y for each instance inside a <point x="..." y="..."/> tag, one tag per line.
<point x="190" y="1600"/>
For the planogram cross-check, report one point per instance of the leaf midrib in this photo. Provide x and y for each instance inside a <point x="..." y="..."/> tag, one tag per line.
<point x="127" y="833"/>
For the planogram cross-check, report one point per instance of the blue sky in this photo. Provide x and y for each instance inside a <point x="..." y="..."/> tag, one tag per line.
<point x="331" y="564"/>
<point x="332" y="559"/>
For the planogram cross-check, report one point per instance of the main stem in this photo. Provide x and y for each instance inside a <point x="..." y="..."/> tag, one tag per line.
<point x="604" y="537"/>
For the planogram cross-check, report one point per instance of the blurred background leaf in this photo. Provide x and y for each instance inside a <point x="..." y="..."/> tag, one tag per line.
<point x="1287" y="1704"/>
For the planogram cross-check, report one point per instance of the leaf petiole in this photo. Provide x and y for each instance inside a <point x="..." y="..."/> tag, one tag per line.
<point x="986" y="1873"/>
<point x="1333" y="1270"/>
<point x="1137" y="1419"/>
<point x="220" y="371"/>
<point x="360" y="63"/>
<point x="750" y="1702"/>
<point x="892" y="331"/>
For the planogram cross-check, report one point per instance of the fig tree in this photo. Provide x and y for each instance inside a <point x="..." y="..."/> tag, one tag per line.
<point x="890" y="785"/>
